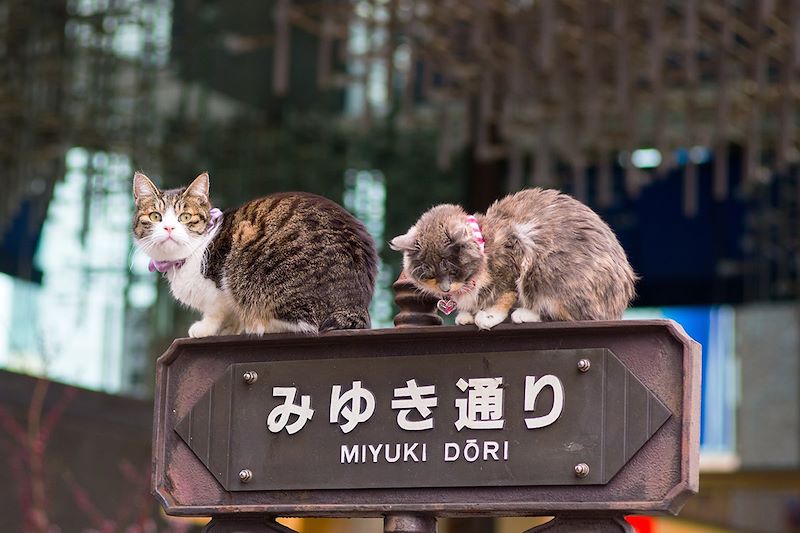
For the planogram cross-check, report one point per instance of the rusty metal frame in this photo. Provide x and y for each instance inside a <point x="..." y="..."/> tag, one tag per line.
<point x="656" y="481"/>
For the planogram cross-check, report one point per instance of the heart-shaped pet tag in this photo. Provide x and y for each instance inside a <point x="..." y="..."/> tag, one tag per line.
<point x="446" y="306"/>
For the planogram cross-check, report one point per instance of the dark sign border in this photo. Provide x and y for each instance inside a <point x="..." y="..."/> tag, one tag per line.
<point x="656" y="480"/>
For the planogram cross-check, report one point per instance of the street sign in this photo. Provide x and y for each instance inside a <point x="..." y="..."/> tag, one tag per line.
<point x="520" y="420"/>
<point x="458" y="420"/>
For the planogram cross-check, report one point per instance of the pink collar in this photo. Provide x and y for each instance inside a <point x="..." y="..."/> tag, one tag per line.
<point x="472" y="222"/>
<point x="166" y="266"/>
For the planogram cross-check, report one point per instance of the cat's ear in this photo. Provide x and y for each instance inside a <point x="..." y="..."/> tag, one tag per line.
<point x="142" y="186"/>
<point x="405" y="242"/>
<point x="458" y="231"/>
<point x="199" y="187"/>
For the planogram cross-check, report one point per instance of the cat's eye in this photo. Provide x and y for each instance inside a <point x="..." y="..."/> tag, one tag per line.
<point x="425" y="273"/>
<point x="185" y="218"/>
<point x="155" y="217"/>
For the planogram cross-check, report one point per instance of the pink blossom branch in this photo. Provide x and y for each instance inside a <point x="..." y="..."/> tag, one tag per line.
<point x="14" y="429"/>
<point x="36" y="449"/>
<point x="143" y="510"/>
<point x="84" y="503"/>
<point x="22" y="483"/>
<point x="52" y="418"/>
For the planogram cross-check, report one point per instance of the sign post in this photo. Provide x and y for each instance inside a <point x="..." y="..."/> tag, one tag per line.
<point x="587" y="421"/>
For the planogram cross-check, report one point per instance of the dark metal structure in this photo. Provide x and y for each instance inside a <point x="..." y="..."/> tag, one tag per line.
<point x="657" y="479"/>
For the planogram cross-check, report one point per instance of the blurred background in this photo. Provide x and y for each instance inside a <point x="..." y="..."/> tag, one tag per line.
<point x="675" y="119"/>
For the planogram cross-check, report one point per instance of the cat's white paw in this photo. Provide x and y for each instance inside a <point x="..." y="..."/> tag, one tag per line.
<point x="522" y="315"/>
<point x="203" y="328"/>
<point x="489" y="318"/>
<point x="464" y="318"/>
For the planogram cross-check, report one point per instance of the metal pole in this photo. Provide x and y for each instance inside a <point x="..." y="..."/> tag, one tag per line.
<point x="405" y="523"/>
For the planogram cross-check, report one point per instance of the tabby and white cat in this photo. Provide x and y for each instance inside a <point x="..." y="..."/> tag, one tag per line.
<point x="287" y="262"/>
<point x="539" y="251"/>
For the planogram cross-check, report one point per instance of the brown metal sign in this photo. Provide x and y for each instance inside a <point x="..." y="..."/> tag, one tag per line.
<point x="520" y="420"/>
<point x="539" y="417"/>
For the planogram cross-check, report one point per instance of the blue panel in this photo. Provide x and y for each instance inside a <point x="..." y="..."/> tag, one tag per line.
<point x="712" y="327"/>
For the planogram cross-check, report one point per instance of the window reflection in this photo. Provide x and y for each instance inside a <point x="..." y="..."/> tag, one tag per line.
<point x="75" y="326"/>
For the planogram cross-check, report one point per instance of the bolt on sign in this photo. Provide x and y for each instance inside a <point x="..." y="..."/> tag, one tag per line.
<point x="519" y="420"/>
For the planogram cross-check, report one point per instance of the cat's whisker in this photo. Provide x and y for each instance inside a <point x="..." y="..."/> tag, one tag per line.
<point x="132" y="256"/>
<point x="424" y="293"/>
<point x="147" y="243"/>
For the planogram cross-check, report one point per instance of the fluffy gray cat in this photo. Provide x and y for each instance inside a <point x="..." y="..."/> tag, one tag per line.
<point x="286" y="262"/>
<point x="539" y="251"/>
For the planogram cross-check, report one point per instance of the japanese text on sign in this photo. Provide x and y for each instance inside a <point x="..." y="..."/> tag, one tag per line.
<point x="480" y="408"/>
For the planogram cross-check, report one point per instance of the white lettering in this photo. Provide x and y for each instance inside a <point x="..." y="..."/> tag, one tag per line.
<point x="375" y="451"/>
<point x="409" y="452"/>
<point x="278" y="418"/>
<point x="533" y="387"/>
<point x="361" y="406"/>
<point x="396" y="456"/>
<point x="417" y="398"/>
<point x="349" y="456"/>
<point x="471" y="448"/>
<point x="490" y="447"/>
<point x="475" y="450"/>
<point x="451" y="447"/>
<point x="483" y="406"/>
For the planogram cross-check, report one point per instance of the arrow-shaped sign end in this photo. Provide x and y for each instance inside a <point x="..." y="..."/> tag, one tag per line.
<point x="633" y="414"/>
<point x="212" y="410"/>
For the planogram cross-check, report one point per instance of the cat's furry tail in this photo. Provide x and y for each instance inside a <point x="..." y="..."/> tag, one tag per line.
<point x="346" y="319"/>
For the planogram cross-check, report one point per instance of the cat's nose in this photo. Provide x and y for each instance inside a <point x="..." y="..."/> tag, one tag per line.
<point x="444" y="286"/>
<point x="169" y="229"/>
